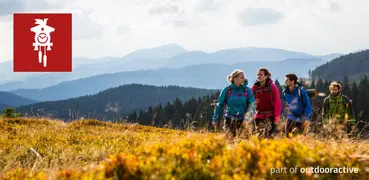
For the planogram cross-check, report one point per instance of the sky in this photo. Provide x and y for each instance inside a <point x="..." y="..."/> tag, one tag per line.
<point x="118" y="27"/>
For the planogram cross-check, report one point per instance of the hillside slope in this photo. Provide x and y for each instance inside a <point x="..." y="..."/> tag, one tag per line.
<point x="352" y="65"/>
<point x="10" y="99"/>
<point x="114" y="102"/>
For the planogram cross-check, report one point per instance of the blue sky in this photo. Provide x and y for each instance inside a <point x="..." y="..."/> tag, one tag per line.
<point x="117" y="27"/>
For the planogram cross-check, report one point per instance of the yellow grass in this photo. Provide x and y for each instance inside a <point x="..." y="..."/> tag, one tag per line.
<point x="90" y="149"/>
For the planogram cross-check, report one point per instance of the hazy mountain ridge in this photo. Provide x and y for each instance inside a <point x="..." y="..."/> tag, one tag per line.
<point x="166" y="56"/>
<point x="208" y="76"/>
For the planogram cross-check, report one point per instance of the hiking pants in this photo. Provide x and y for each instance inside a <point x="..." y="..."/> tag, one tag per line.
<point x="291" y="124"/>
<point x="270" y="118"/>
<point x="233" y="125"/>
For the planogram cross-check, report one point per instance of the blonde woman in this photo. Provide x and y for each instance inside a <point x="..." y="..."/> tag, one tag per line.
<point x="236" y="102"/>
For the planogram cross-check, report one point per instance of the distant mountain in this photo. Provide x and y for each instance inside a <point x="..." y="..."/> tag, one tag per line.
<point x="166" y="56"/>
<point x="3" y="106"/>
<point x="85" y="67"/>
<point x="7" y="74"/>
<point x="330" y="57"/>
<point x="115" y="102"/>
<point x="233" y="56"/>
<point x="208" y="76"/>
<point x="160" y="52"/>
<point x="11" y="100"/>
<point x="174" y="56"/>
<point x="238" y="55"/>
<point x="352" y="65"/>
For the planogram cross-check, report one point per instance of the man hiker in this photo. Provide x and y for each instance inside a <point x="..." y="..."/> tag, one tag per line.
<point x="297" y="105"/>
<point x="338" y="108"/>
<point x="236" y="101"/>
<point x="268" y="102"/>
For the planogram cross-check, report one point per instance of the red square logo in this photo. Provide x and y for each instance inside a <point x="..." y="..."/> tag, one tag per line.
<point x="42" y="42"/>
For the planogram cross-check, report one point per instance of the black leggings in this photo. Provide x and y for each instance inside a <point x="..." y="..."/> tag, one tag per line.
<point x="232" y="125"/>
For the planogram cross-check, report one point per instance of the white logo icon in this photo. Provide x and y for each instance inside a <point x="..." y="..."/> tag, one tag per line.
<point x="42" y="39"/>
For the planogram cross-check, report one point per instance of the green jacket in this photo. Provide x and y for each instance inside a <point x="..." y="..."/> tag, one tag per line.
<point x="338" y="107"/>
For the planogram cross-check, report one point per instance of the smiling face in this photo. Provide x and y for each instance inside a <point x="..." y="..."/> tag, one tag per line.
<point x="261" y="76"/>
<point x="239" y="80"/>
<point x="335" y="88"/>
<point x="288" y="82"/>
<point x="335" y="91"/>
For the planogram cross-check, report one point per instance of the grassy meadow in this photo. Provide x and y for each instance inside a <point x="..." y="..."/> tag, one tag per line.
<point x="91" y="149"/>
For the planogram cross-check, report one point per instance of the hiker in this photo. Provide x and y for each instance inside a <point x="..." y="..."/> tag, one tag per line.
<point x="236" y="102"/>
<point x="297" y="106"/>
<point x="338" y="107"/>
<point x="268" y="102"/>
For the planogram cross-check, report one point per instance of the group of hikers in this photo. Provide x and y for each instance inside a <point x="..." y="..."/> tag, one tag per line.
<point x="261" y="104"/>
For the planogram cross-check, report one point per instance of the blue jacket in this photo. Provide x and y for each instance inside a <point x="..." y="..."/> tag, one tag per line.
<point x="238" y="106"/>
<point x="296" y="108"/>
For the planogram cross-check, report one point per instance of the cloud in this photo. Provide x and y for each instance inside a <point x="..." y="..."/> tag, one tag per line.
<point x="123" y="29"/>
<point x="164" y="9"/>
<point x="172" y="13"/>
<point x="8" y="7"/>
<point x="259" y="16"/>
<point x="177" y="23"/>
<point x="84" y="26"/>
<point x="208" y="6"/>
<point x="334" y="6"/>
<point x="117" y="27"/>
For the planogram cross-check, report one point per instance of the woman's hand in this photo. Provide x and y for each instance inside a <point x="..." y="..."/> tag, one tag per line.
<point x="244" y="123"/>
<point x="215" y="125"/>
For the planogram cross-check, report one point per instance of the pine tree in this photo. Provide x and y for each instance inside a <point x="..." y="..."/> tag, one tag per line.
<point x="312" y="84"/>
<point x="169" y="111"/>
<point x="346" y="87"/>
<point x="161" y="117"/>
<point x="363" y="97"/>
<point x="178" y="114"/>
<point x="132" y="117"/>
<point x="140" y="117"/>
<point x="320" y="85"/>
<point x="355" y="96"/>
<point x="326" y="87"/>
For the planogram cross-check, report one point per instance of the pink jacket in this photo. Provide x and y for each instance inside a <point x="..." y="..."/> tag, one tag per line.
<point x="265" y="97"/>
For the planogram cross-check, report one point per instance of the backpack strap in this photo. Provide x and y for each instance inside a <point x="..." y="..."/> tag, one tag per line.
<point x="270" y="86"/>
<point x="245" y="92"/>
<point x="228" y="94"/>
<point x="226" y="99"/>
<point x="230" y="90"/>
<point x="301" y="99"/>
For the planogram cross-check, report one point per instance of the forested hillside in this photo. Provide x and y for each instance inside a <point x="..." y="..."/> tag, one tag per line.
<point x="113" y="103"/>
<point x="353" y="65"/>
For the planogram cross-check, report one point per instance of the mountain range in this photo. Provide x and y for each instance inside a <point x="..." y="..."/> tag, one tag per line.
<point x="208" y="76"/>
<point x="166" y="56"/>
